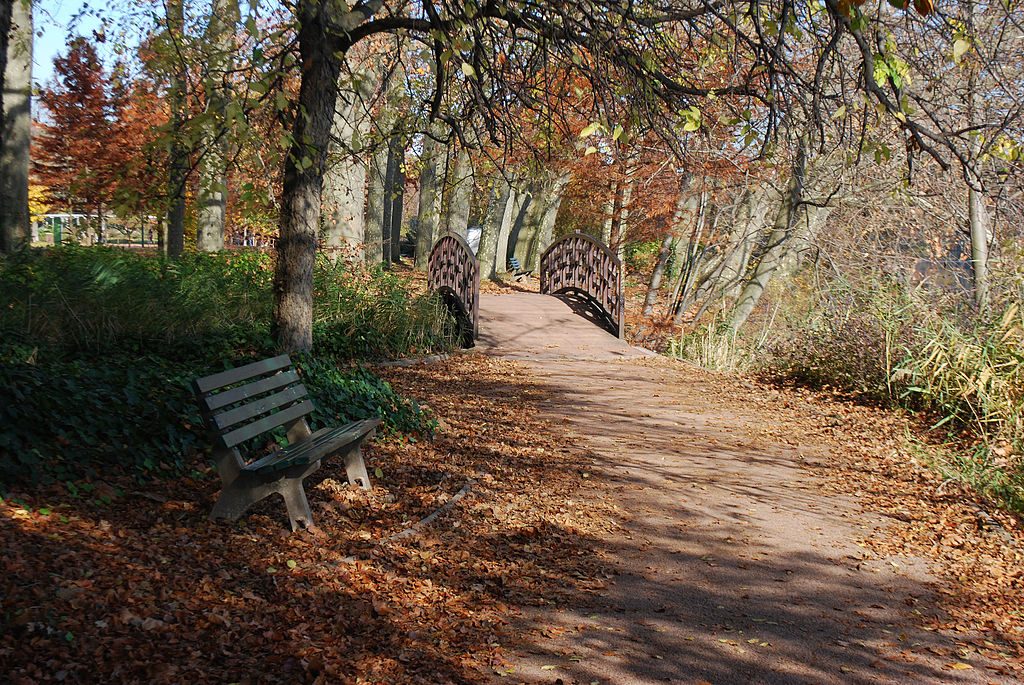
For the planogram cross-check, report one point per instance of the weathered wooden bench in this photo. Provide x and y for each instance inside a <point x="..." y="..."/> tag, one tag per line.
<point x="250" y="401"/>
<point x="517" y="272"/>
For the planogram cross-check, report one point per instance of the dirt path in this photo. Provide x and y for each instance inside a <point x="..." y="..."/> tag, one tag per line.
<point x="737" y="566"/>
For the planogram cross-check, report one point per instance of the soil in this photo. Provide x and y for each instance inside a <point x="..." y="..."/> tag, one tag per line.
<point x="754" y="545"/>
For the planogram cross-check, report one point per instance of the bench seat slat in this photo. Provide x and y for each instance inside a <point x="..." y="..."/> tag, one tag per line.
<point x="235" y="395"/>
<point x="257" y="407"/>
<point x="242" y="373"/>
<point x="324" y="442"/>
<point x="251" y="430"/>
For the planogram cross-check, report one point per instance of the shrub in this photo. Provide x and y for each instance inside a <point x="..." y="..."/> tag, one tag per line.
<point x="77" y="419"/>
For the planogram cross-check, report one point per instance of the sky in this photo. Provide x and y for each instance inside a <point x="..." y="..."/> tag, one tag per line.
<point x="57" y="21"/>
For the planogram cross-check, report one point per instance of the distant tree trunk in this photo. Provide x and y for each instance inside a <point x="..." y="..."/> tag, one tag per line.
<point x="460" y="201"/>
<point x="429" y="213"/>
<point x="491" y="229"/>
<point x="977" y="213"/>
<point x="301" y="196"/>
<point x="213" y="181"/>
<point x="15" y="132"/>
<point x="979" y="228"/>
<point x="345" y="178"/>
<point x="611" y="210"/>
<point x="376" y="205"/>
<point x="179" y="157"/>
<point x="6" y="9"/>
<point x="620" y="224"/>
<point x="397" y="197"/>
<point x="508" y="220"/>
<point x="519" y="230"/>
<point x="659" y="272"/>
<point x="782" y="233"/>
<point x="694" y="211"/>
<point x="750" y="223"/>
<point x="553" y="199"/>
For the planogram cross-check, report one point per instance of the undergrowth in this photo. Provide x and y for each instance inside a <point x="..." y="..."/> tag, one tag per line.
<point x="879" y="339"/>
<point x="100" y="346"/>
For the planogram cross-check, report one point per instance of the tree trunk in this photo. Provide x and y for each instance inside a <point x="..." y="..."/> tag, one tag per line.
<point x="547" y="222"/>
<point x="345" y="179"/>
<point x="214" y="180"/>
<point x="490" y="232"/>
<point x="179" y="162"/>
<point x="977" y="214"/>
<point x="782" y="232"/>
<point x="508" y="221"/>
<point x="15" y="133"/>
<point x="749" y="224"/>
<point x="429" y="213"/>
<point x="518" y="219"/>
<point x="611" y="210"/>
<point x="621" y="222"/>
<point x="303" y="179"/>
<point x="659" y="271"/>
<point x="460" y="201"/>
<point x="979" y="227"/>
<point x="376" y="205"/>
<point x="6" y="10"/>
<point x="397" y="196"/>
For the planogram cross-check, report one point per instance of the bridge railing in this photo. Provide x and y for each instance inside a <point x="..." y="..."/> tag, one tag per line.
<point x="454" y="272"/>
<point x="581" y="265"/>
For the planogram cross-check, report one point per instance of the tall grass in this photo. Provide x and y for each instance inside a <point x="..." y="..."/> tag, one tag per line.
<point x="93" y="300"/>
<point x="878" y="338"/>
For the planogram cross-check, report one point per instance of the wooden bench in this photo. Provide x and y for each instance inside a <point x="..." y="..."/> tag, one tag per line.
<point x="250" y="401"/>
<point x="517" y="271"/>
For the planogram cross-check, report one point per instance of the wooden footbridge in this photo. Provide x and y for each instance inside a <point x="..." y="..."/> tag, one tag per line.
<point x="577" y="314"/>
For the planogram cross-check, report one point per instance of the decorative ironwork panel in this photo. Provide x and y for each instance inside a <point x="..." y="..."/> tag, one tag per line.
<point x="581" y="264"/>
<point x="454" y="272"/>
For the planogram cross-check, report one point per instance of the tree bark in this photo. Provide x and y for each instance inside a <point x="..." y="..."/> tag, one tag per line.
<point x="461" y="199"/>
<point x="179" y="162"/>
<point x="611" y="210"/>
<point x="658" y="272"/>
<point x="213" y="182"/>
<point x="6" y="10"/>
<point x="783" y="231"/>
<point x="513" y="207"/>
<point x="397" y="197"/>
<point x="15" y="133"/>
<point x="490" y="232"/>
<point x="345" y="178"/>
<point x="429" y="213"/>
<point x="376" y="206"/>
<point x="549" y="216"/>
<point x="303" y="179"/>
<point x="977" y="213"/>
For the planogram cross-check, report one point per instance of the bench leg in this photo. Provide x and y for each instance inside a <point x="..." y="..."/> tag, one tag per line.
<point x="299" y="515"/>
<point x="246" y="490"/>
<point x="355" y="468"/>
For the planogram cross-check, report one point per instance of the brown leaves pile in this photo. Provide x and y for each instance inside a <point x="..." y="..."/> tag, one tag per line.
<point x="144" y="589"/>
<point x="976" y="549"/>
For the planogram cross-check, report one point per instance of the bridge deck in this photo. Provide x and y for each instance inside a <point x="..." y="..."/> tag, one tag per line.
<point x="534" y="326"/>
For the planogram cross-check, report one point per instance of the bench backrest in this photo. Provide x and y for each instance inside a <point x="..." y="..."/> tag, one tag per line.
<point x="244" y="402"/>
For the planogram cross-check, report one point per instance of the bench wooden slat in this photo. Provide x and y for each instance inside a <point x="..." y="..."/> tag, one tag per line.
<point x="244" y="392"/>
<point x="324" y="441"/>
<point x="251" y="430"/>
<point x="263" y="405"/>
<point x="242" y="373"/>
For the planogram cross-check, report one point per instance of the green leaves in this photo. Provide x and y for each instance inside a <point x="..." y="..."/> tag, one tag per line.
<point x="692" y="119"/>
